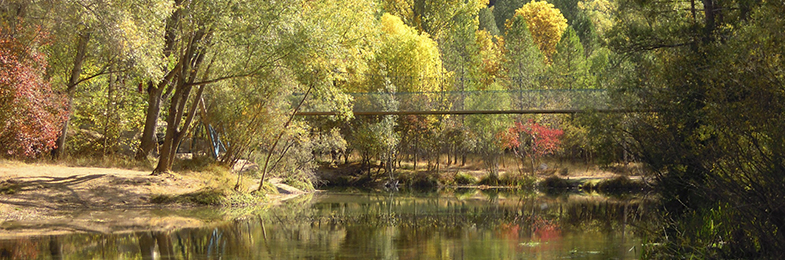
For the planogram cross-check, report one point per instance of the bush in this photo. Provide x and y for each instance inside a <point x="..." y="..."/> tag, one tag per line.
<point x="462" y="178"/>
<point x="424" y="180"/>
<point x="618" y="184"/>
<point x="517" y="180"/>
<point x="564" y="171"/>
<point x="489" y="180"/>
<point x="554" y="182"/>
<point x="299" y="183"/>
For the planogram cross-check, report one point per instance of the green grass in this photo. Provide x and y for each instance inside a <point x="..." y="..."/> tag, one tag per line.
<point x="463" y="178"/>
<point x="109" y="161"/>
<point x="204" y="196"/>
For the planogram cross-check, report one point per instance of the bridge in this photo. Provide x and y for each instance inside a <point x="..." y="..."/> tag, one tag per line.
<point x="546" y="101"/>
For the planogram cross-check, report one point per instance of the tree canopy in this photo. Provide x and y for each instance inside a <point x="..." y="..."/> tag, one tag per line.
<point x="545" y="23"/>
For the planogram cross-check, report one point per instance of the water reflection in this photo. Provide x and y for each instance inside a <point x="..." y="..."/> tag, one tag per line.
<point x="454" y="225"/>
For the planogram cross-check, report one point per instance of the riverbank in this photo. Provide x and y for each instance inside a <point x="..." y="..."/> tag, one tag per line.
<point x="560" y="177"/>
<point x="51" y="199"/>
<point x="45" y="199"/>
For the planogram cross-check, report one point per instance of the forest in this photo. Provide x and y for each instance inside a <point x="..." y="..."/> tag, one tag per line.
<point x="143" y="80"/>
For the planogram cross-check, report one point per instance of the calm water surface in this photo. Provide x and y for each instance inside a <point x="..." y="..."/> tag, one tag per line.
<point x="465" y="224"/>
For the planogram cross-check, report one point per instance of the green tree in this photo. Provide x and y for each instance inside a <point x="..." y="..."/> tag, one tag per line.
<point x="709" y="69"/>
<point x="570" y="68"/>
<point x="504" y="10"/>
<point x="578" y="19"/>
<point x="486" y="130"/>
<point x="524" y="63"/>
<point x="488" y="22"/>
<point x="213" y="44"/>
<point x="91" y="39"/>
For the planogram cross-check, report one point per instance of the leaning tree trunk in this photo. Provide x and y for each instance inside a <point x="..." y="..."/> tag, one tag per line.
<point x="73" y="81"/>
<point x="190" y="63"/>
<point x="175" y="135"/>
<point x="155" y="95"/>
<point x="280" y="134"/>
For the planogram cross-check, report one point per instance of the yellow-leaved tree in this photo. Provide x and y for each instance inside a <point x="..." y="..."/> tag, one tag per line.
<point x="410" y="60"/>
<point x="434" y="17"/>
<point x="492" y="56"/>
<point x="546" y="24"/>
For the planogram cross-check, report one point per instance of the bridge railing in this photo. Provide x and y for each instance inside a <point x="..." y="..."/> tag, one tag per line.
<point x="461" y="101"/>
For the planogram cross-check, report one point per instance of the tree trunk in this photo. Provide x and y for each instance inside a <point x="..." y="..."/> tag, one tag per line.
<point x="173" y="122"/>
<point x="416" y="147"/>
<point x="76" y="72"/>
<point x="534" y="171"/>
<point x="55" y="248"/>
<point x="151" y="121"/>
<point x="174" y="135"/>
<point x="190" y="63"/>
<point x="155" y="93"/>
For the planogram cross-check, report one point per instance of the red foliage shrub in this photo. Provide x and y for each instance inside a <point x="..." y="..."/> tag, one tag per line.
<point x="531" y="140"/>
<point x="30" y="112"/>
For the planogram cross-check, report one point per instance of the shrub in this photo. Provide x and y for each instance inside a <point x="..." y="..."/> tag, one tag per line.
<point x="554" y="182"/>
<point x="205" y="196"/>
<point x="621" y="183"/>
<point x="462" y="178"/>
<point x="518" y="180"/>
<point x="564" y="171"/>
<point x="489" y="180"/>
<point x="424" y="180"/>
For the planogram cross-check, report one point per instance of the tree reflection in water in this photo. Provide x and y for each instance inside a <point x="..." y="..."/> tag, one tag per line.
<point x="455" y="225"/>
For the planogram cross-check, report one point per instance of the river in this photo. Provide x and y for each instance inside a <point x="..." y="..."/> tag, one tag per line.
<point x="456" y="224"/>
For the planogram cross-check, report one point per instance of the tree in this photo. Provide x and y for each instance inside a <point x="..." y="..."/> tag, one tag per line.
<point x="711" y="70"/>
<point x="432" y="17"/>
<point x="411" y="60"/>
<point x="376" y="137"/>
<point x="524" y="63"/>
<point x="485" y="130"/>
<point x="492" y="57"/>
<point x="30" y="112"/>
<point x="210" y="43"/>
<point x="504" y="10"/>
<point x="600" y="12"/>
<point x="488" y="22"/>
<point x="95" y="38"/>
<point x="546" y="24"/>
<point x="570" y="68"/>
<point x="531" y="140"/>
<point x="578" y="19"/>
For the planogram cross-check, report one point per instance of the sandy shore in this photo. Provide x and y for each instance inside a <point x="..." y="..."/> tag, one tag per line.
<point x="51" y="199"/>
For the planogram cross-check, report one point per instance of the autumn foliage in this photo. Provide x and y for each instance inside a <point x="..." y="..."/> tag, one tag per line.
<point x="31" y="113"/>
<point x="531" y="140"/>
<point x="546" y="24"/>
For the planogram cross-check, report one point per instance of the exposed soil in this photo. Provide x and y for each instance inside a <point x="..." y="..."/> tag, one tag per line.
<point x="50" y="199"/>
